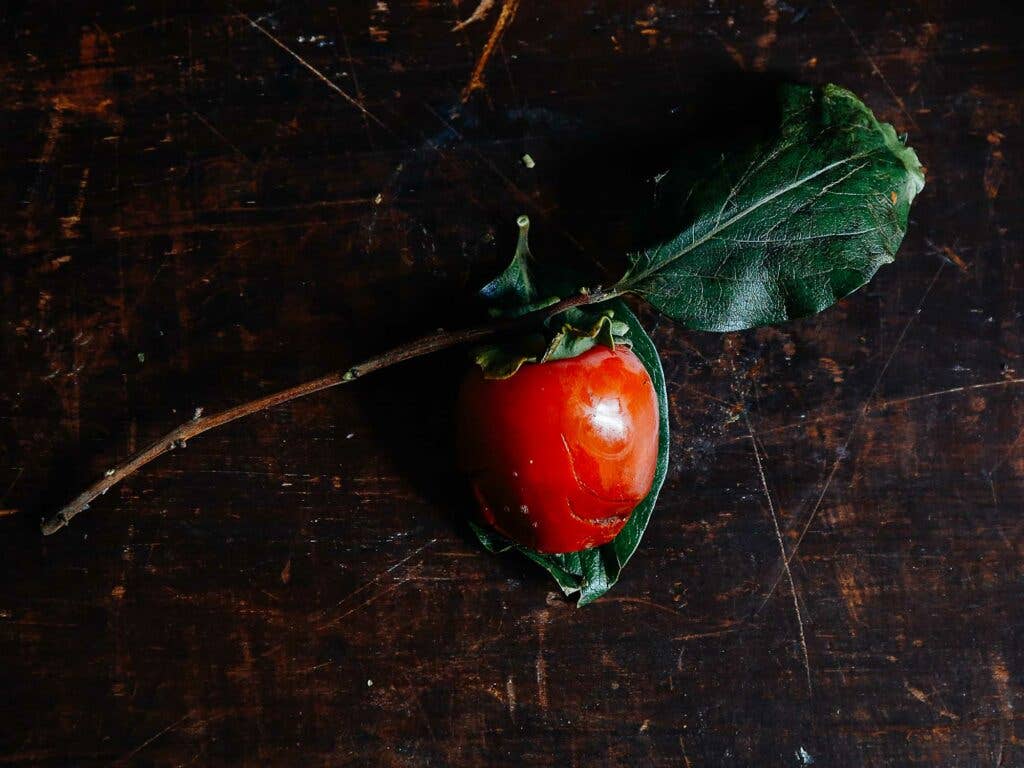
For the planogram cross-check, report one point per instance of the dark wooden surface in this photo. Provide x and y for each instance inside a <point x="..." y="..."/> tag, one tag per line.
<point x="192" y="217"/>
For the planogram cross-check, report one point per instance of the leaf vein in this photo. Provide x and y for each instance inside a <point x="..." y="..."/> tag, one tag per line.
<point x="635" y="278"/>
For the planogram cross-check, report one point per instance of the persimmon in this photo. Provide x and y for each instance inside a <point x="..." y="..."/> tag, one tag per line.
<point x="559" y="454"/>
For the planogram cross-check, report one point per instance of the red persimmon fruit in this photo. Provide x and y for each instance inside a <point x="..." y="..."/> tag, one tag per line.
<point x="560" y="453"/>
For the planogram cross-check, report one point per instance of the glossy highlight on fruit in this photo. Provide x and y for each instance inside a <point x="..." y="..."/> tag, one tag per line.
<point x="559" y="454"/>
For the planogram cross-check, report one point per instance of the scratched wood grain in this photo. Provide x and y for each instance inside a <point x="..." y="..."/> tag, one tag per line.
<point x="202" y="203"/>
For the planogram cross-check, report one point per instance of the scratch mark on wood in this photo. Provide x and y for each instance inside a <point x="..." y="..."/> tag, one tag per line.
<point x="853" y="595"/>
<point x="1001" y="678"/>
<point x="540" y="664"/>
<point x="52" y="133"/>
<point x="322" y="615"/>
<point x="709" y="633"/>
<point x="511" y="81"/>
<point x="874" y="66"/>
<point x="320" y="75"/>
<point x="371" y="599"/>
<point x="842" y="452"/>
<point x="995" y="505"/>
<point x="833" y="369"/>
<point x="476" y="80"/>
<point x="1009" y="452"/>
<point x="995" y="170"/>
<point x="510" y="697"/>
<point x="835" y="416"/>
<point x="355" y="77"/>
<point x="69" y="223"/>
<point x="922" y="697"/>
<point x="877" y="408"/>
<point x="682" y="748"/>
<point x="917" y="694"/>
<point x="782" y="552"/>
<point x="641" y="601"/>
<point x="941" y="392"/>
<point x="948" y="252"/>
<point x="124" y="760"/>
<point x="213" y="129"/>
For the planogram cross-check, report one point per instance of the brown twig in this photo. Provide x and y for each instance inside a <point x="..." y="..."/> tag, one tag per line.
<point x="476" y="80"/>
<point x="178" y="437"/>
<point x="478" y="15"/>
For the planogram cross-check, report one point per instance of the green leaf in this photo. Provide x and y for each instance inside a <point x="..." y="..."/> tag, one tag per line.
<point x="592" y="572"/>
<point x="500" y="361"/>
<point x="583" y="329"/>
<point x="788" y="227"/>
<point x="492" y="541"/>
<point x="568" y="581"/>
<point x="514" y="292"/>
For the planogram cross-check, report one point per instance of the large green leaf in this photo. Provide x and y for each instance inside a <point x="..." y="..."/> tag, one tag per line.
<point x="593" y="572"/>
<point x="788" y="227"/>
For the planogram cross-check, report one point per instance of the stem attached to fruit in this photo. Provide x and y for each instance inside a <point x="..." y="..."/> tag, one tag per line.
<point x="199" y="424"/>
